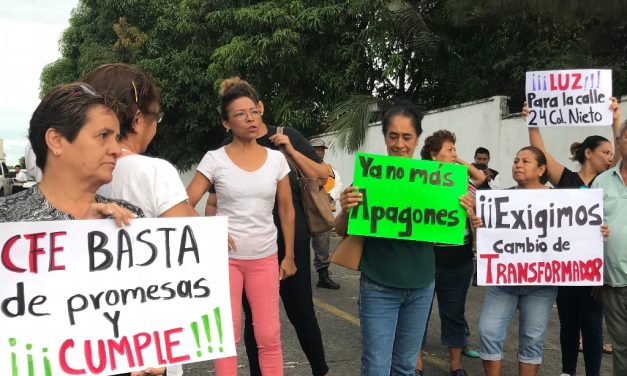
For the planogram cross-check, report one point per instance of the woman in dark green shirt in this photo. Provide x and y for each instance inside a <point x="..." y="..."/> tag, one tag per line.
<point x="397" y="276"/>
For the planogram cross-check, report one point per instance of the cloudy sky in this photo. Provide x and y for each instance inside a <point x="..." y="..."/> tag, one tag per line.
<point x="29" y="39"/>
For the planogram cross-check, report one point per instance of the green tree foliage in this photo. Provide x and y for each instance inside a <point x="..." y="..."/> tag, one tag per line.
<point x="326" y="64"/>
<point x="302" y="56"/>
<point x="444" y="52"/>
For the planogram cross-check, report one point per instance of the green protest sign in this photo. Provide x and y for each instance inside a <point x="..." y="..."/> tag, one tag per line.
<point x="409" y="199"/>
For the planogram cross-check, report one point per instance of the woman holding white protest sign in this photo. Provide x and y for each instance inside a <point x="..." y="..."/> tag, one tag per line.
<point x="248" y="178"/>
<point x="454" y="264"/>
<point x="73" y="133"/>
<point x="533" y="302"/>
<point x="580" y="311"/>
<point x="397" y="276"/>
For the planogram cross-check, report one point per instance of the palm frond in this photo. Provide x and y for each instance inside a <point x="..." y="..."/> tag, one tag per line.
<point x="349" y="121"/>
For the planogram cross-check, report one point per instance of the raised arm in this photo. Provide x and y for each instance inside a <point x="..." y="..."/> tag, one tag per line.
<point x="309" y="168"/>
<point x="477" y="176"/>
<point x="554" y="168"/>
<point x="615" y="107"/>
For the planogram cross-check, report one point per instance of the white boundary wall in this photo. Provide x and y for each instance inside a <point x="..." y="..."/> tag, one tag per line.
<point x="485" y="122"/>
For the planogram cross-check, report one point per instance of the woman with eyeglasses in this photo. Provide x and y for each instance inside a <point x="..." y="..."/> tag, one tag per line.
<point x="248" y="178"/>
<point x="295" y="292"/>
<point x="151" y="183"/>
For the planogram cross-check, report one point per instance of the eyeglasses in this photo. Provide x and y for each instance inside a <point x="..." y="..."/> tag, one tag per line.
<point x="242" y="115"/>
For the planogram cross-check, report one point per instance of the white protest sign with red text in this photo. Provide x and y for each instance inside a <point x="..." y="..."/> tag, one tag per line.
<point x="87" y="297"/>
<point x="574" y="97"/>
<point x="540" y="237"/>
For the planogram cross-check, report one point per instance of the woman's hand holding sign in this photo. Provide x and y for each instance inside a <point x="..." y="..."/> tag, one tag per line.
<point x="349" y="198"/>
<point x="98" y="210"/>
<point x="605" y="230"/>
<point x="468" y="203"/>
<point x="149" y="371"/>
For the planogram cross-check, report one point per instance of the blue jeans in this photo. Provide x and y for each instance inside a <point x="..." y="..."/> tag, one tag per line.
<point x="392" y="326"/>
<point x="451" y="288"/>
<point x="500" y="304"/>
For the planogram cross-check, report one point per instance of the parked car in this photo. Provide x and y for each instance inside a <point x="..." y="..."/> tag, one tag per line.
<point x="6" y="180"/>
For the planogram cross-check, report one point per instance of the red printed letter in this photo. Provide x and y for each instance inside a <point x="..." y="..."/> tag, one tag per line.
<point x="6" y="257"/>
<point x="577" y="77"/>
<point x="169" y="344"/>
<point x="35" y="251"/>
<point x="102" y="357"/>
<point x="122" y="347"/>
<point x="68" y="344"/>
<point x="54" y="249"/>
<point x="488" y="279"/>
<point x="140" y="346"/>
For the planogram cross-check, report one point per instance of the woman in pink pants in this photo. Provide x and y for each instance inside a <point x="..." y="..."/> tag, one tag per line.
<point x="247" y="177"/>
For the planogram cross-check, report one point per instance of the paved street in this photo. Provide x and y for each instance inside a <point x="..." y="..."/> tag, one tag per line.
<point x="338" y="317"/>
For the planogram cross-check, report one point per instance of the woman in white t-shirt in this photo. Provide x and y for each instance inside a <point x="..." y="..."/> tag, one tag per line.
<point x="153" y="184"/>
<point x="247" y="178"/>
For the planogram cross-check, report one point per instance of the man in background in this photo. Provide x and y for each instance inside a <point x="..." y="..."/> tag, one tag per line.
<point x="19" y="180"/>
<point x="614" y="291"/>
<point x="482" y="158"/>
<point x="31" y="163"/>
<point x="320" y="242"/>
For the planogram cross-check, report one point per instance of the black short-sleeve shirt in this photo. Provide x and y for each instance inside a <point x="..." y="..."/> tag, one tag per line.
<point x="571" y="179"/>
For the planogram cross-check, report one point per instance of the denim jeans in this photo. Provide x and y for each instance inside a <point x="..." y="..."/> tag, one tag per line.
<point x="500" y="304"/>
<point x="392" y="326"/>
<point x="451" y="288"/>
<point x="579" y="311"/>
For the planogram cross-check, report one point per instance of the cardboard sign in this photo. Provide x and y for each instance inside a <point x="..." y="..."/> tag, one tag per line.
<point x="540" y="237"/>
<point x="569" y="97"/>
<point x="87" y="297"/>
<point x="409" y="199"/>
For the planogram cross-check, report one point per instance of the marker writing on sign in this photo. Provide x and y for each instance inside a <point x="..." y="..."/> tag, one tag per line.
<point x="406" y="216"/>
<point x="29" y="362"/>
<point x="540" y="272"/>
<point x="108" y="355"/>
<point x="391" y="172"/>
<point x="495" y="214"/>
